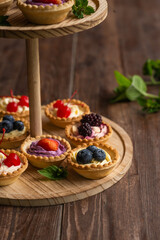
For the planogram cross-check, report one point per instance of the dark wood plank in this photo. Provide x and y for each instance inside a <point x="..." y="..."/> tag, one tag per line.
<point x="130" y="209"/>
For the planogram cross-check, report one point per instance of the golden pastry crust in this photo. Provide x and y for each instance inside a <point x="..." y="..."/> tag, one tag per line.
<point x="4" y="6"/>
<point x="45" y="14"/>
<point x="14" y="142"/>
<point x="40" y="161"/>
<point x="9" y="178"/>
<point x="78" y="141"/>
<point x="94" y="171"/>
<point x="19" y="115"/>
<point x="63" y="122"/>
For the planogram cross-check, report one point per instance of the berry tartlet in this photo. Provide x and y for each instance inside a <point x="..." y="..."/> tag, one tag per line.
<point x="66" y="111"/>
<point x="45" y="11"/>
<point x="46" y="150"/>
<point x="12" y="165"/>
<point x="15" y="133"/>
<point x="18" y="106"/>
<point x="93" y="161"/>
<point x="90" y="129"/>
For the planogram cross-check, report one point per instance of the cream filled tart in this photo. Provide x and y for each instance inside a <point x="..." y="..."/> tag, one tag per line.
<point x="12" y="165"/>
<point x="18" y="106"/>
<point x="45" y="11"/>
<point x="93" y="161"/>
<point x="13" y="131"/>
<point x="45" y="150"/>
<point x="66" y="111"/>
<point x="90" y="129"/>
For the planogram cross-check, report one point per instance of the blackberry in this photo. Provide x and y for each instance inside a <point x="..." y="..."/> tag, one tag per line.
<point x="85" y="129"/>
<point x="93" y="119"/>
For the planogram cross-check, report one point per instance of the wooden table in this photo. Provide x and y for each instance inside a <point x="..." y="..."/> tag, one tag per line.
<point x="86" y="62"/>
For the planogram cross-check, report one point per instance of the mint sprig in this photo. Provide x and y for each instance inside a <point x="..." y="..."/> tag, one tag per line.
<point x="54" y="172"/>
<point x="81" y="8"/>
<point x="151" y="68"/>
<point x="3" y="21"/>
<point x="135" y="89"/>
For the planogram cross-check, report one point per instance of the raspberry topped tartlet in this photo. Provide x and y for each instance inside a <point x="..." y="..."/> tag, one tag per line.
<point x="93" y="161"/>
<point x="46" y="150"/>
<point x="18" y="106"/>
<point x="45" y="11"/>
<point x="66" y="111"/>
<point x="12" y="165"/>
<point x="13" y="131"/>
<point x="90" y="129"/>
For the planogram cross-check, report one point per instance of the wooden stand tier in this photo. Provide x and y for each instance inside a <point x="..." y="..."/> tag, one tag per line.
<point x="21" y="28"/>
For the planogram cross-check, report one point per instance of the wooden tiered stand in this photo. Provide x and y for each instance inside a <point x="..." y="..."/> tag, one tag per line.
<point x="31" y="189"/>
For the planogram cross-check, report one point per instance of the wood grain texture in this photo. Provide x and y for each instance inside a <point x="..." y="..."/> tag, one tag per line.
<point x="129" y="209"/>
<point x="21" y="28"/>
<point x="34" y="190"/>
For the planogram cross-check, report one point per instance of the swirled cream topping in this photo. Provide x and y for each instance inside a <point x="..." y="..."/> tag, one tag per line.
<point x="4" y="102"/>
<point x="4" y="169"/>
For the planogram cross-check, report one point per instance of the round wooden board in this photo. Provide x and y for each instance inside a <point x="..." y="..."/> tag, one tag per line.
<point x="21" y="28"/>
<point x="31" y="189"/>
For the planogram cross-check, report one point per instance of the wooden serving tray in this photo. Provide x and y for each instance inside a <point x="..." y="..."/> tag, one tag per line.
<point x="32" y="189"/>
<point x="21" y="28"/>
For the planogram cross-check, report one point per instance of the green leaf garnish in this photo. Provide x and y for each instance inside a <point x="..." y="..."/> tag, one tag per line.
<point x="54" y="172"/>
<point x="3" y="21"/>
<point x="81" y="8"/>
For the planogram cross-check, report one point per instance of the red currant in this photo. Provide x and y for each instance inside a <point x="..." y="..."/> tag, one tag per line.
<point x="58" y="104"/>
<point x="12" y="107"/>
<point x="24" y="101"/>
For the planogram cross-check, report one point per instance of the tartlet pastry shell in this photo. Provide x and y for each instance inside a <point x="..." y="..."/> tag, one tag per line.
<point x="75" y="141"/>
<point x="4" y="6"/>
<point x="14" y="142"/>
<point x="63" y="122"/>
<point x="45" y="14"/>
<point x="93" y="171"/>
<point x="20" y="115"/>
<point x="9" y="178"/>
<point x="40" y="161"/>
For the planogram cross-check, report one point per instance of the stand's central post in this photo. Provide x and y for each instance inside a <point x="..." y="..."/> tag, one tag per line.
<point x="33" y="75"/>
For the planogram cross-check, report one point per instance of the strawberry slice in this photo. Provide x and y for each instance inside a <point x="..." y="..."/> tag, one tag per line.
<point x="48" y="1"/>
<point x="48" y="144"/>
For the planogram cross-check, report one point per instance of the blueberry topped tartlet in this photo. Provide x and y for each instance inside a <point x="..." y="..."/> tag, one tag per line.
<point x="45" y="11"/>
<point x="93" y="161"/>
<point x="13" y="131"/>
<point x="91" y="128"/>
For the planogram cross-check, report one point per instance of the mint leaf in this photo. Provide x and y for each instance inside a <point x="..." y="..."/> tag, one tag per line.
<point x="81" y="7"/>
<point x="3" y="21"/>
<point x="122" y="80"/>
<point x="54" y="172"/>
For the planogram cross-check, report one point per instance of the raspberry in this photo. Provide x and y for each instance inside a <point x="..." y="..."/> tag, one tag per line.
<point x="85" y="129"/>
<point x="11" y="160"/>
<point x="93" y="119"/>
<point x="63" y="111"/>
<point x="24" y="101"/>
<point x="12" y="107"/>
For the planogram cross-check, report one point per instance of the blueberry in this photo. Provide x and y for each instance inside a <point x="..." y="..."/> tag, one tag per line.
<point x="18" y="125"/>
<point x="8" y="118"/>
<point x="92" y="148"/>
<point x="7" y="125"/>
<point x="84" y="156"/>
<point x="99" y="155"/>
